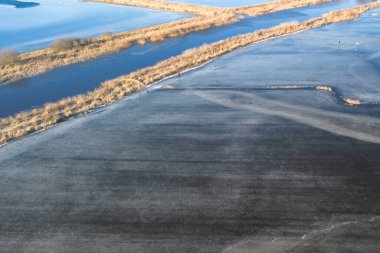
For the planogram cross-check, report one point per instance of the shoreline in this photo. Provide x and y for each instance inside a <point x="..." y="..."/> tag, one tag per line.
<point x="42" y="60"/>
<point x="117" y="89"/>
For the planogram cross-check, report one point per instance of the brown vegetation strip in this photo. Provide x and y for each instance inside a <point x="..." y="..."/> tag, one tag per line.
<point x="276" y="6"/>
<point x="116" y="89"/>
<point x="40" y="61"/>
<point x="252" y="10"/>
<point x="167" y="6"/>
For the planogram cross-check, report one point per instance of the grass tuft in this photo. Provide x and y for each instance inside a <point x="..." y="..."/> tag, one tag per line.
<point x="8" y="56"/>
<point x="352" y="102"/>
<point x="68" y="44"/>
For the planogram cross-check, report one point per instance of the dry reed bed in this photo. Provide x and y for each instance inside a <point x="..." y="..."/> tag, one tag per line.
<point x="166" y="6"/>
<point x="252" y="10"/>
<point x="116" y="89"/>
<point x="40" y="61"/>
<point x="279" y="5"/>
<point x="352" y="102"/>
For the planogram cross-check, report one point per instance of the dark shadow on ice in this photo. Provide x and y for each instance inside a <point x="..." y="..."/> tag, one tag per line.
<point x="18" y="4"/>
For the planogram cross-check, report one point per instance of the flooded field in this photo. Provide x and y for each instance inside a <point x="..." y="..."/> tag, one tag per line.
<point x="83" y="77"/>
<point x="34" y="25"/>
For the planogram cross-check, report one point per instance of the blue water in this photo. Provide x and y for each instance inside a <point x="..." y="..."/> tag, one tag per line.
<point x="25" y="29"/>
<point x="83" y="77"/>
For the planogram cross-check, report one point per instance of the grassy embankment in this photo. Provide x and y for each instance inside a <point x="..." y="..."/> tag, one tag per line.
<point x="40" y="61"/>
<point x="116" y="89"/>
<point x="276" y="6"/>
<point x="251" y="10"/>
<point x="167" y="6"/>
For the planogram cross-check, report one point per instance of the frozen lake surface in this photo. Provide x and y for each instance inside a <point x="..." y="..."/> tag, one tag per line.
<point x="26" y="29"/>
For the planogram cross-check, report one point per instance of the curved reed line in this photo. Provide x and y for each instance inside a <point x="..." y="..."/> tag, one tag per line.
<point x="330" y="89"/>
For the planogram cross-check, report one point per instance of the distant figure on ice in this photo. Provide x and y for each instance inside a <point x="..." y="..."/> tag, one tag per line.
<point x="357" y="46"/>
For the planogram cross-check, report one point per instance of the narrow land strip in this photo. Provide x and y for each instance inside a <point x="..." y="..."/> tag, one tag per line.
<point x="276" y="6"/>
<point x="116" y="89"/>
<point x="167" y="6"/>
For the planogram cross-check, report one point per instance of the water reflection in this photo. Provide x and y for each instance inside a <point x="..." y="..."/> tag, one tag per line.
<point x="18" y="4"/>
